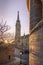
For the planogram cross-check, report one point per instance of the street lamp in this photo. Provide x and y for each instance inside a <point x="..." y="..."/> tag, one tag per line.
<point x="22" y="48"/>
<point x="21" y="52"/>
<point x="20" y="57"/>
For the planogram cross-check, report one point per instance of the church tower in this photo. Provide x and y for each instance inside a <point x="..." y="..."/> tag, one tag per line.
<point x="18" y="30"/>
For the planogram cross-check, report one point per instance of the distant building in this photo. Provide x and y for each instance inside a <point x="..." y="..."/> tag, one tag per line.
<point x="18" y="30"/>
<point x="19" y="40"/>
<point x="22" y="42"/>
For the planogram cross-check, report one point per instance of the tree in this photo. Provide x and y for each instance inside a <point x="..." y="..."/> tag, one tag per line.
<point x="3" y="28"/>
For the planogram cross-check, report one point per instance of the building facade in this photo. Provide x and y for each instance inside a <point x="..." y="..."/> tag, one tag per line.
<point x="18" y="30"/>
<point x="19" y="40"/>
<point x="36" y="32"/>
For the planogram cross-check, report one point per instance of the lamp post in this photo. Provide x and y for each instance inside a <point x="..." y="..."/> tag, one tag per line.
<point x="20" y="58"/>
<point x="21" y="52"/>
<point x="22" y="47"/>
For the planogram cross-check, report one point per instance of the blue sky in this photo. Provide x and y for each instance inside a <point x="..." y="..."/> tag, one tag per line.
<point x="8" y="11"/>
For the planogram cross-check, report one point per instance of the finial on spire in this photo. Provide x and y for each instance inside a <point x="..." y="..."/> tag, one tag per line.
<point x="18" y="16"/>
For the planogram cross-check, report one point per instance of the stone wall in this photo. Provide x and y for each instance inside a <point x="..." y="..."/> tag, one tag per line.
<point x="35" y="12"/>
<point x="36" y="45"/>
<point x="6" y="53"/>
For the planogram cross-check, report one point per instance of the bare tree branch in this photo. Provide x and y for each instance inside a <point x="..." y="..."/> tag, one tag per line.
<point x="3" y="28"/>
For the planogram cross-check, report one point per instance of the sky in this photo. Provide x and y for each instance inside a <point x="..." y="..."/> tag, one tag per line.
<point x="8" y="11"/>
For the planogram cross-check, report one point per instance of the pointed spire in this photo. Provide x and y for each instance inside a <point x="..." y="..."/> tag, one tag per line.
<point x="18" y="16"/>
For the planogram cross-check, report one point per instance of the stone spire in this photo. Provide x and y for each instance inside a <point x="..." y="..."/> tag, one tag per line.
<point x="18" y="29"/>
<point x="18" y="16"/>
<point x="18" y="25"/>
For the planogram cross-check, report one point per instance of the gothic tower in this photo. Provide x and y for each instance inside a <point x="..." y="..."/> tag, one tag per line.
<point x="18" y="30"/>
